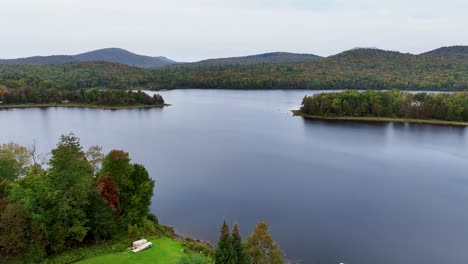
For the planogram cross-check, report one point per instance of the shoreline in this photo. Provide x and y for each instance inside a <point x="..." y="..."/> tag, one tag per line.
<point x="73" y="105"/>
<point x="381" y="119"/>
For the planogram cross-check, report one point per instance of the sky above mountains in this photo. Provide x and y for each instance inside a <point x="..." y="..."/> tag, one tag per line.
<point x="189" y="30"/>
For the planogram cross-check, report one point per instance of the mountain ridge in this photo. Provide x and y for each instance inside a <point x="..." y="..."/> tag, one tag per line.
<point x="456" y="52"/>
<point x="270" y="57"/>
<point x="116" y="55"/>
<point x="121" y="56"/>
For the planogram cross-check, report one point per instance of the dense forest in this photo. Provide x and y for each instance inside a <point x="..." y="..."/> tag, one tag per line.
<point x="78" y="197"/>
<point x="109" y="97"/>
<point x="355" y="69"/>
<point x="364" y="69"/>
<point x="273" y="57"/>
<point x="76" y="75"/>
<point x="394" y="104"/>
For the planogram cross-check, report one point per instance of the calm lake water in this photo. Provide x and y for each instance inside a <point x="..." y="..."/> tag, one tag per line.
<point x="358" y="193"/>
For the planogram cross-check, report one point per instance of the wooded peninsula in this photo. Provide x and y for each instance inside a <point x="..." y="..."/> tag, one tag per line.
<point x="92" y="98"/>
<point x="388" y="106"/>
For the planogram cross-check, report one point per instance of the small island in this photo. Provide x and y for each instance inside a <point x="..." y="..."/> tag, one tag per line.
<point x="388" y="106"/>
<point x="28" y="97"/>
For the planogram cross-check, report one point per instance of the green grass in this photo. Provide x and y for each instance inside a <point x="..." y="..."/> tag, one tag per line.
<point x="381" y="119"/>
<point x="164" y="251"/>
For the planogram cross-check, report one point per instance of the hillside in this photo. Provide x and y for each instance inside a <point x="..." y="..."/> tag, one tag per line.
<point x="274" y="57"/>
<point x="124" y="57"/>
<point x="76" y="75"/>
<point x="108" y="55"/>
<point x="456" y="52"/>
<point x="353" y="69"/>
<point x="371" y="54"/>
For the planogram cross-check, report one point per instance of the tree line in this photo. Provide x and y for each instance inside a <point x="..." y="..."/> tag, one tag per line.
<point x="76" y="75"/>
<point x="357" y="69"/>
<point x="109" y="97"/>
<point x="363" y="69"/>
<point x="78" y="198"/>
<point x="259" y="247"/>
<point x="393" y="103"/>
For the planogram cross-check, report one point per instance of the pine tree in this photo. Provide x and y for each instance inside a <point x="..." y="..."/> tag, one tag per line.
<point x="239" y="251"/>
<point x="224" y="252"/>
<point x="261" y="247"/>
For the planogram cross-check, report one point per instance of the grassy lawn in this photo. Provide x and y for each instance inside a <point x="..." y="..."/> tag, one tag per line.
<point x="164" y="251"/>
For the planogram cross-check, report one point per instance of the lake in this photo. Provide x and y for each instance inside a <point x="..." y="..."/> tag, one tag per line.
<point x="357" y="193"/>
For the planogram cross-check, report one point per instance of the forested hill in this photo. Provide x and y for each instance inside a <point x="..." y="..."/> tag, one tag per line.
<point x="458" y="52"/>
<point x="354" y="69"/>
<point x="273" y="57"/>
<point x="366" y="54"/>
<point x="76" y="75"/>
<point x="108" y="55"/>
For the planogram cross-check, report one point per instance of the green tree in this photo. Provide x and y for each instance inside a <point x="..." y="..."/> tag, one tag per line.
<point x="137" y="197"/>
<point x="117" y="164"/>
<point x="224" y="253"/>
<point x="261" y="247"/>
<point x="238" y="248"/>
<point x="15" y="161"/>
<point x="134" y="185"/>
<point x="69" y="180"/>
<point x="14" y="225"/>
<point x="101" y="218"/>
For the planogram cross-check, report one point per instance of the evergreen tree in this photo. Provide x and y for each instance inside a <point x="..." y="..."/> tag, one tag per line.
<point x="224" y="252"/>
<point x="261" y="247"/>
<point x="239" y="251"/>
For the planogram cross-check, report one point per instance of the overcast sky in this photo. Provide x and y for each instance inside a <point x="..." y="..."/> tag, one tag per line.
<point x="189" y="30"/>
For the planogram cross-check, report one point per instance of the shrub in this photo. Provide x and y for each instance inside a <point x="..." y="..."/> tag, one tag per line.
<point x="192" y="259"/>
<point x="153" y="218"/>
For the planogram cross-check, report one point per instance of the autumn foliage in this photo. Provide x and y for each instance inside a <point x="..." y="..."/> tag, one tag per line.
<point x="108" y="189"/>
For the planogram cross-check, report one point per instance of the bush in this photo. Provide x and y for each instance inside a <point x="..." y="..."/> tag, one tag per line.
<point x="35" y="254"/>
<point x="165" y="231"/>
<point x="146" y="228"/>
<point x="197" y="247"/>
<point x="192" y="259"/>
<point x="153" y="218"/>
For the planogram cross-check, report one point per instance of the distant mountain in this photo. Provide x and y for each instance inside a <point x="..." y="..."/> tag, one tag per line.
<point x="455" y="52"/>
<point x="370" y="53"/>
<point x="273" y="57"/>
<point x="364" y="48"/>
<point x="124" y="57"/>
<point x="108" y="55"/>
<point x="353" y="69"/>
<point x="38" y="60"/>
